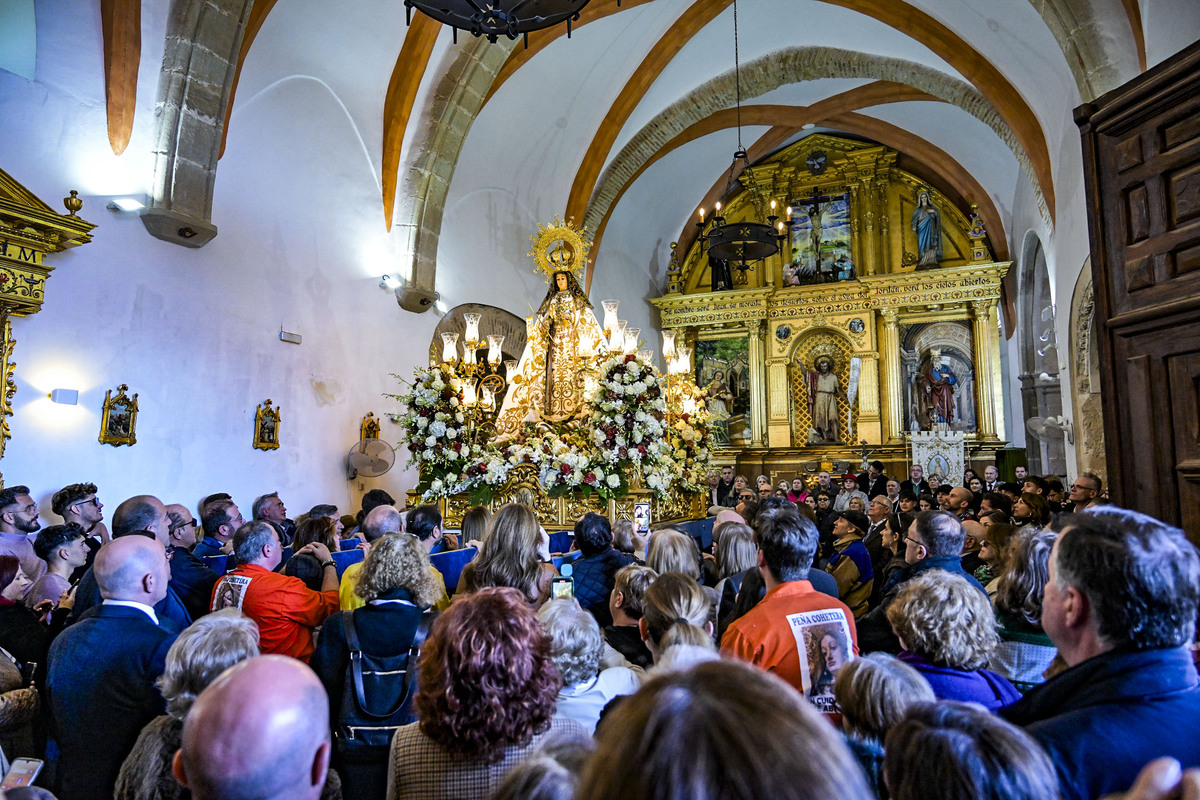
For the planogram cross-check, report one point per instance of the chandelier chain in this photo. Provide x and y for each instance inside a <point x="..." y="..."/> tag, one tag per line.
<point x="737" y="76"/>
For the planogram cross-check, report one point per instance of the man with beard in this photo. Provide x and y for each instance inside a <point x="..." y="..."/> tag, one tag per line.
<point x="18" y="519"/>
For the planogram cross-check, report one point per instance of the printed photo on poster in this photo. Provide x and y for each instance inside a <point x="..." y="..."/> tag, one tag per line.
<point x="230" y="592"/>
<point x="824" y="643"/>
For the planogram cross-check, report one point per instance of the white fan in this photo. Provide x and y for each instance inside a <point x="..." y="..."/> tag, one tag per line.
<point x="1050" y="429"/>
<point x="369" y="458"/>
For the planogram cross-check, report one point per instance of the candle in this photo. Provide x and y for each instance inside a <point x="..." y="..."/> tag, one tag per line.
<point x="449" y="347"/>
<point x="631" y="340"/>
<point x="472" y="321"/>
<point x="495" y="340"/>
<point x="668" y="347"/>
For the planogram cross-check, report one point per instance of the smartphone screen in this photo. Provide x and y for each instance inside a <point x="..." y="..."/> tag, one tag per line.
<point x="562" y="587"/>
<point x="23" y="773"/>
<point x="641" y="518"/>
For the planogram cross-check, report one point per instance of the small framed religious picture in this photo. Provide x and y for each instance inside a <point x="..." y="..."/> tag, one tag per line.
<point x="266" y="427"/>
<point x="118" y="422"/>
<point x="856" y="325"/>
<point x="370" y="427"/>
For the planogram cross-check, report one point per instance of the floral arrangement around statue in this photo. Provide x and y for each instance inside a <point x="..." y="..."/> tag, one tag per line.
<point x="629" y="436"/>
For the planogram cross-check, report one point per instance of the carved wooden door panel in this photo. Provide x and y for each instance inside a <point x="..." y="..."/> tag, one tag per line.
<point x="1141" y="147"/>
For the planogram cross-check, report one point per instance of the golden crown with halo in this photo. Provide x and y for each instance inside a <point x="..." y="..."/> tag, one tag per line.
<point x="560" y="247"/>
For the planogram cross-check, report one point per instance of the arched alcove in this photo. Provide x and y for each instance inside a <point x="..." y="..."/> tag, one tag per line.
<point x="1041" y="392"/>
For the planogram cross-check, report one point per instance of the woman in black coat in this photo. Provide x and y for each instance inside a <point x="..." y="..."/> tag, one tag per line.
<point x="398" y="586"/>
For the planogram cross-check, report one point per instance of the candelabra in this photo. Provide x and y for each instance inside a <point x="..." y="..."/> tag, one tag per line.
<point x="482" y="382"/>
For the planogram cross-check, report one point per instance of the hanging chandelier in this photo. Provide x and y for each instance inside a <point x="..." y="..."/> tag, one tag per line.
<point x="740" y="243"/>
<point x="511" y="18"/>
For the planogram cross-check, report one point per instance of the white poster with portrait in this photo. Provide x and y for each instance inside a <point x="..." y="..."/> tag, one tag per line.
<point x="825" y="646"/>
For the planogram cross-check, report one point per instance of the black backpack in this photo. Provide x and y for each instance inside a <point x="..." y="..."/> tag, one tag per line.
<point x="377" y="692"/>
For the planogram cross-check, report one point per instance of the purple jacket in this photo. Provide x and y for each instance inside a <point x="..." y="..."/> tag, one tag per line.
<point x="970" y="686"/>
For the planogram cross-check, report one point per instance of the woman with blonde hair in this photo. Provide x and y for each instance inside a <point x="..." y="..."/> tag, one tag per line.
<point x="203" y="651"/>
<point x="947" y="631"/>
<point x="673" y="551"/>
<point x="474" y="526"/>
<point x="511" y="556"/>
<point x="398" y="588"/>
<point x="675" y="622"/>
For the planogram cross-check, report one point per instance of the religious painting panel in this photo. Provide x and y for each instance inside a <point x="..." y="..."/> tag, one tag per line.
<point x="938" y="376"/>
<point x="822" y="377"/>
<point x="723" y="370"/>
<point x="820" y="238"/>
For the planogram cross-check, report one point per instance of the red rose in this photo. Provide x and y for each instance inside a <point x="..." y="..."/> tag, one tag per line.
<point x="630" y="358"/>
<point x="642" y="449"/>
<point x="457" y="447"/>
<point x="589" y="478"/>
<point x="565" y="469"/>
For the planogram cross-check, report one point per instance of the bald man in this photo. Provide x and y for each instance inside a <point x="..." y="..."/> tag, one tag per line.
<point x="191" y="578"/>
<point x="379" y="521"/>
<point x="958" y="503"/>
<point x="144" y="515"/>
<point x="259" y="732"/>
<point x="100" y="684"/>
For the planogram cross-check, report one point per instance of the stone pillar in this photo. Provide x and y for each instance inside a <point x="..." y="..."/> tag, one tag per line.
<point x="889" y="351"/>
<point x="990" y="402"/>
<point x="758" y="385"/>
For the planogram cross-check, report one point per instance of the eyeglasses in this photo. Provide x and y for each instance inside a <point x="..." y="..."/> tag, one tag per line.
<point x="908" y="538"/>
<point x="191" y="523"/>
<point x="1075" y="486"/>
<point x="95" y="501"/>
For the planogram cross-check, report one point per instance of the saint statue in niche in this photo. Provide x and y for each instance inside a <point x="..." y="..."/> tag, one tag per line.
<point x="823" y="392"/>
<point x="563" y="344"/>
<point x="719" y="400"/>
<point x="927" y="223"/>
<point x="937" y="388"/>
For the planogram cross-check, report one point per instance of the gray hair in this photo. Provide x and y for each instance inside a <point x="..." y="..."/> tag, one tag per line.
<point x="250" y="539"/>
<point x="260" y="503"/>
<point x="208" y="647"/>
<point x="575" y="642"/>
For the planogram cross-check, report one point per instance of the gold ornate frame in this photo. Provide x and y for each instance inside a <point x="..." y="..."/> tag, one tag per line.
<point x="266" y="427"/>
<point x="369" y="428"/>
<point x="118" y="422"/>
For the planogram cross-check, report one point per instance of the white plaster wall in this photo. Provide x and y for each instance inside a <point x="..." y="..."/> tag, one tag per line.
<point x="195" y="332"/>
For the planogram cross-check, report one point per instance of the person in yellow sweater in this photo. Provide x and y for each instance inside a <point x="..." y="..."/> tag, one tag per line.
<point x="425" y="523"/>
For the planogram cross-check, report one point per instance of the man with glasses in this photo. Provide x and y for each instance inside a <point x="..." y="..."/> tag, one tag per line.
<point x="1085" y="492"/>
<point x="79" y="504"/>
<point x="221" y="519"/>
<point x="18" y="519"/>
<point x="934" y="541"/>
<point x="191" y="578"/>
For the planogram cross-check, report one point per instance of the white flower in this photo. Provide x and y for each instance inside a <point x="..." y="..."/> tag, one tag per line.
<point x="436" y="485"/>
<point x="430" y="441"/>
<point x="613" y="480"/>
<point x="438" y="428"/>
<point x="451" y="433"/>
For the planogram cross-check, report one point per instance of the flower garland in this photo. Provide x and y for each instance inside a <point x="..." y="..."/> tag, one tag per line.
<point x="624" y="439"/>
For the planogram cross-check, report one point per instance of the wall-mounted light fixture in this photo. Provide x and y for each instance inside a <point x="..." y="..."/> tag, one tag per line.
<point x="66" y="397"/>
<point x="390" y="283"/>
<point x="125" y="205"/>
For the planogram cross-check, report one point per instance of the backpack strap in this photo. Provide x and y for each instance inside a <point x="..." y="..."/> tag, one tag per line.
<point x="356" y="670"/>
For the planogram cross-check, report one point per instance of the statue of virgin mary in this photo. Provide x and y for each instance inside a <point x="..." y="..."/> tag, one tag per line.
<point x="564" y="342"/>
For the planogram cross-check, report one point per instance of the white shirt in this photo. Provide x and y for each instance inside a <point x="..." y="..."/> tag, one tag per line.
<point x="584" y="702"/>
<point x="134" y="604"/>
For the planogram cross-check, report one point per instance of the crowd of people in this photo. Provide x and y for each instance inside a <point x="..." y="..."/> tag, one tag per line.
<point x="877" y="639"/>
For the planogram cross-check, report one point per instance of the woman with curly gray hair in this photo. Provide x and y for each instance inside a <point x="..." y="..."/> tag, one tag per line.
<point x="575" y="648"/>
<point x="211" y="645"/>
<point x="947" y="632"/>
<point x="398" y="587"/>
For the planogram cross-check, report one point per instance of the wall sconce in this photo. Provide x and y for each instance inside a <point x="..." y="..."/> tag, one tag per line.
<point x="66" y="397"/>
<point x="125" y="205"/>
<point x="389" y="283"/>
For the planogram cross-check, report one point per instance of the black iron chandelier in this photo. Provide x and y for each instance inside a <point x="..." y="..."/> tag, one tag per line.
<point x="496" y="18"/>
<point x="740" y="243"/>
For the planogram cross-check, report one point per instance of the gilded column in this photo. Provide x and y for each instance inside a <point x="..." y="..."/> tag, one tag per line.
<point x="987" y="369"/>
<point x="856" y="248"/>
<point x="884" y="251"/>
<point x="893" y="419"/>
<point x="870" y="258"/>
<point x="758" y="386"/>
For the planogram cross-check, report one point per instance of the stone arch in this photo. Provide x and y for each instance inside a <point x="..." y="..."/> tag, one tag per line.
<point x="204" y="40"/>
<point x="794" y="65"/>
<point x="457" y="100"/>
<point x="1041" y="390"/>
<point x="1092" y="53"/>
<point x="1085" y="399"/>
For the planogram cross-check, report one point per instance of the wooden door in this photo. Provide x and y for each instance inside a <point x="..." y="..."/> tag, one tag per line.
<point x="1141" y="145"/>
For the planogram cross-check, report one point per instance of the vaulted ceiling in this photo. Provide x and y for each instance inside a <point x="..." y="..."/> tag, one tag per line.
<point x="628" y="125"/>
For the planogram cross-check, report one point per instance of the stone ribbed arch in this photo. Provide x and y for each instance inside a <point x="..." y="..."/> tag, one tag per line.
<point x="782" y="67"/>
<point x="457" y="99"/>
<point x="1097" y="62"/>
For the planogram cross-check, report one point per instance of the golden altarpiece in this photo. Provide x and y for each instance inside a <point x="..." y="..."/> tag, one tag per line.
<point x="29" y="231"/>
<point x="862" y="329"/>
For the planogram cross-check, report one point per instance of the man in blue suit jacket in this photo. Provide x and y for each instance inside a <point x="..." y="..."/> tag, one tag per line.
<point x="100" y="684"/>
